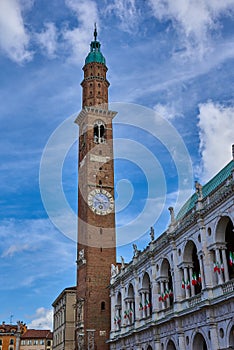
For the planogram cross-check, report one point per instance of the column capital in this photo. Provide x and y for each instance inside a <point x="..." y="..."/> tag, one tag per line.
<point x="217" y="245"/>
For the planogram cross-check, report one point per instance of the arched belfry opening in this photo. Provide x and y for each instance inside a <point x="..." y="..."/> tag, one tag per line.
<point x="99" y="132"/>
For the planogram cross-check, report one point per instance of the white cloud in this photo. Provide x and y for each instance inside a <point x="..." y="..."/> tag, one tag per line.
<point x="43" y="319"/>
<point x="168" y="111"/>
<point x="127" y="13"/>
<point x="29" y="251"/>
<point x="216" y="137"/>
<point x="14" y="249"/>
<point x="14" y="39"/>
<point x="194" y="20"/>
<point x="77" y="38"/>
<point x="31" y="235"/>
<point x="47" y="39"/>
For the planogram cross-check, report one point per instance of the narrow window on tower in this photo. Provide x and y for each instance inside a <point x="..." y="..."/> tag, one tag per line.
<point x="99" y="132"/>
<point x="103" y="306"/>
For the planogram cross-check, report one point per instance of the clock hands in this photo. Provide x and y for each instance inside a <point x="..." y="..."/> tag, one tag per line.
<point x="101" y="202"/>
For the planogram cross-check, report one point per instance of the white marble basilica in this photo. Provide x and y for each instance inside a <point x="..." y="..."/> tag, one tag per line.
<point x="178" y="294"/>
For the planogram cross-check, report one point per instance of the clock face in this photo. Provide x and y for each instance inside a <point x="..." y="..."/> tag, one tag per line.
<point x="101" y="202"/>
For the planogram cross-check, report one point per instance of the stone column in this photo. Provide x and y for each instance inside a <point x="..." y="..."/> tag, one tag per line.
<point x="186" y="280"/>
<point x="208" y="269"/>
<point x="202" y="271"/>
<point x="218" y="260"/>
<point x="123" y="306"/>
<point x="145" y="304"/>
<point x="177" y="290"/>
<point x="128" y="312"/>
<point x="181" y="341"/>
<point x="167" y="289"/>
<point x="141" y="314"/>
<point x="155" y="296"/>
<point x="113" y="310"/>
<point x="137" y="300"/>
<point x="191" y="277"/>
<point x="162" y="290"/>
<point x="148" y="300"/>
<point x="214" y="337"/>
<point x="225" y="265"/>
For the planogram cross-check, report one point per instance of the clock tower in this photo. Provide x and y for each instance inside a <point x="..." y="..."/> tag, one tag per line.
<point x="96" y="249"/>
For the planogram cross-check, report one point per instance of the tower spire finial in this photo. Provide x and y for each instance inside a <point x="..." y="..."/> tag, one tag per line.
<point x="95" y="32"/>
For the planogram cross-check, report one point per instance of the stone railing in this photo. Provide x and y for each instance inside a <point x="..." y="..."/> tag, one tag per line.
<point x="228" y="287"/>
<point x="194" y="300"/>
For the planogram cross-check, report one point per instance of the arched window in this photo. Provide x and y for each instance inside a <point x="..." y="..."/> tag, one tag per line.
<point x="231" y="338"/>
<point x="171" y="345"/>
<point x="129" y="313"/>
<point x="199" y="342"/>
<point x="191" y="273"/>
<point x="230" y="248"/>
<point x="118" y="311"/>
<point x="165" y="285"/>
<point x="99" y="132"/>
<point x="145" y="306"/>
<point x="103" y="306"/>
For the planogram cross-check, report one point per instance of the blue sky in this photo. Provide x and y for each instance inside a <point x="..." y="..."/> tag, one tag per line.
<point x="171" y="71"/>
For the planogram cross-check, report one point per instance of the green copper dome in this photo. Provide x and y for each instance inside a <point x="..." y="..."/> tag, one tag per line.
<point x="95" y="54"/>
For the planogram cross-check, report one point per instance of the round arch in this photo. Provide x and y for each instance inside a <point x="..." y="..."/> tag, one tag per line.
<point x="130" y="291"/>
<point x="190" y="246"/>
<point x="199" y="342"/>
<point x="119" y="298"/>
<point x="146" y="281"/>
<point x="166" y="285"/>
<point x="99" y="131"/>
<point x="231" y="338"/>
<point x="165" y="268"/>
<point x="171" y="345"/>
<point x="190" y="257"/>
<point x="221" y="227"/>
<point x="146" y="297"/>
<point x="149" y="347"/>
<point x="224" y="234"/>
<point x="129" y="313"/>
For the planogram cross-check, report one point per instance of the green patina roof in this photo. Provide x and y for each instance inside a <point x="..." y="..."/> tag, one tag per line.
<point x="95" y="54"/>
<point x="210" y="186"/>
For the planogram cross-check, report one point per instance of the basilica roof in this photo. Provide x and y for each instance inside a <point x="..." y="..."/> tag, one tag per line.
<point x="209" y="187"/>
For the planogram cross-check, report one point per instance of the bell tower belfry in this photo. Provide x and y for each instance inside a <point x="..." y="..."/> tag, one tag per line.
<point x="96" y="248"/>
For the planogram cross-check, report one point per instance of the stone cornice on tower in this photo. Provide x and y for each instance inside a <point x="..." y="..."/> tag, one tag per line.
<point x="95" y="111"/>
